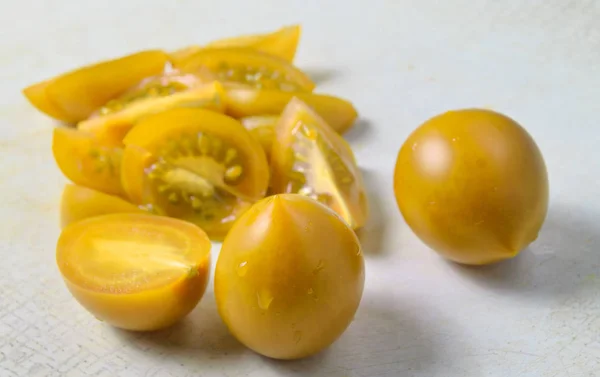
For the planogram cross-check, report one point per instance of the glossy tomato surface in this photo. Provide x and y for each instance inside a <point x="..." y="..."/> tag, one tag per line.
<point x="472" y="184"/>
<point x="134" y="271"/>
<point x="289" y="277"/>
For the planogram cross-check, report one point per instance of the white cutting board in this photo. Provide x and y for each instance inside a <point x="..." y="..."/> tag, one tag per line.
<point x="400" y="62"/>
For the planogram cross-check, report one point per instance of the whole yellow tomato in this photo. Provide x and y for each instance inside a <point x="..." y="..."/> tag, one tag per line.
<point x="472" y="184"/>
<point x="289" y="277"/>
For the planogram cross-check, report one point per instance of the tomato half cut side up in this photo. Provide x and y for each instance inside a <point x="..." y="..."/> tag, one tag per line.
<point x="337" y="112"/>
<point x="310" y="158"/>
<point x="113" y="126"/>
<point x="75" y="95"/>
<point x="135" y="271"/>
<point x="249" y="67"/>
<point x="79" y="203"/>
<point x="196" y="165"/>
<point x="86" y="161"/>
<point x="282" y="43"/>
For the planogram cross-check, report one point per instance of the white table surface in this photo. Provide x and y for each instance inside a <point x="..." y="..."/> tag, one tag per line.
<point x="400" y="62"/>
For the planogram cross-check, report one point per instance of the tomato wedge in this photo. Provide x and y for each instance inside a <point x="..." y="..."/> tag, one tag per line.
<point x="135" y="271"/>
<point x="113" y="127"/>
<point x="79" y="202"/>
<point x="196" y="165"/>
<point x="86" y="161"/>
<point x="249" y="67"/>
<point x="240" y="102"/>
<point x="75" y="95"/>
<point x="262" y="127"/>
<point x="310" y="158"/>
<point x="282" y="43"/>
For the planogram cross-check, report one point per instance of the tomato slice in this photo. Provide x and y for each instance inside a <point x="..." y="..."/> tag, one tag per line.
<point x="262" y="127"/>
<point x="135" y="271"/>
<point x="113" y="126"/>
<point x="196" y="165"/>
<point x="282" y="43"/>
<point x="36" y="94"/>
<point x="86" y="161"/>
<point x="241" y="102"/>
<point x="79" y="202"/>
<point x="249" y="67"/>
<point x="75" y="95"/>
<point x="310" y="158"/>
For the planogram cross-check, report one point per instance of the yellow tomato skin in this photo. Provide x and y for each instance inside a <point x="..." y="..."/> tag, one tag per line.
<point x="289" y="277"/>
<point x="36" y="94"/>
<point x="141" y="309"/>
<point x="87" y="161"/>
<point x="262" y="127"/>
<point x="472" y="184"/>
<point x="242" y="102"/>
<point x="78" y="203"/>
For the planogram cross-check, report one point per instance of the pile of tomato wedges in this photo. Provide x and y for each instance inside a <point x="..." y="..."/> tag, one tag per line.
<point x="200" y="134"/>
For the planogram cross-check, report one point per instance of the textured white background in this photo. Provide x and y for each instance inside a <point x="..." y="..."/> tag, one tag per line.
<point x="400" y="62"/>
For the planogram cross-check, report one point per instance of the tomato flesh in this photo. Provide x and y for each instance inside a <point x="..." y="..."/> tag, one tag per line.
<point x="262" y="127"/>
<point x="289" y="277"/>
<point x="310" y="158"/>
<point x="86" y="161"/>
<point x="138" y="272"/>
<point x="242" y="102"/>
<point x="249" y="67"/>
<point x="195" y="165"/>
<point x="113" y="126"/>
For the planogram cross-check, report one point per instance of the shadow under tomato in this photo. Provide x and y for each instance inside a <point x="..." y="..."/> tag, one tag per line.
<point x="563" y="262"/>
<point x="321" y="76"/>
<point x="196" y="340"/>
<point x="359" y="131"/>
<point x="382" y="340"/>
<point x="373" y="233"/>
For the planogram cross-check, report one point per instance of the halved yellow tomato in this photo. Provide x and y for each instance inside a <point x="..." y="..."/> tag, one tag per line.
<point x="249" y="67"/>
<point x="282" y="43"/>
<point x="310" y="158"/>
<point x="113" y="126"/>
<point x="262" y="127"/>
<point x="86" y="161"/>
<point x="79" y="202"/>
<point x="196" y="165"/>
<point x="135" y="271"/>
<point x="75" y="95"/>
<point x="241" y="102"/>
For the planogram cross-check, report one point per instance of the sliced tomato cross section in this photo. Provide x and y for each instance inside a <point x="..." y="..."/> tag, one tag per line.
<point x="308" y="157"/>
<point x="196" y="165"/>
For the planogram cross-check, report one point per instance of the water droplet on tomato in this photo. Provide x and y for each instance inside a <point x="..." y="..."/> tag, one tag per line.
<point x="242" y="268"/>
<point x="264" y="299"/>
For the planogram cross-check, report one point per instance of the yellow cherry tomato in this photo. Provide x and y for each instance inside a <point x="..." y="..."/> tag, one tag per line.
<point x="472" y="184"/>
<point x="196" y="165"/>
<point x="113" y="126"/>
<point x="75" y="95"/>
<point x="80" y="203"/>
<point x="289" y="277"/>
<point x="87" y="161"/>
<point x="249" y="67"/>
<point x="242" y="102"/>
<point x="134" y="271"/>
<point x="282" y="43"/>
<point x="308" y="157"/>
